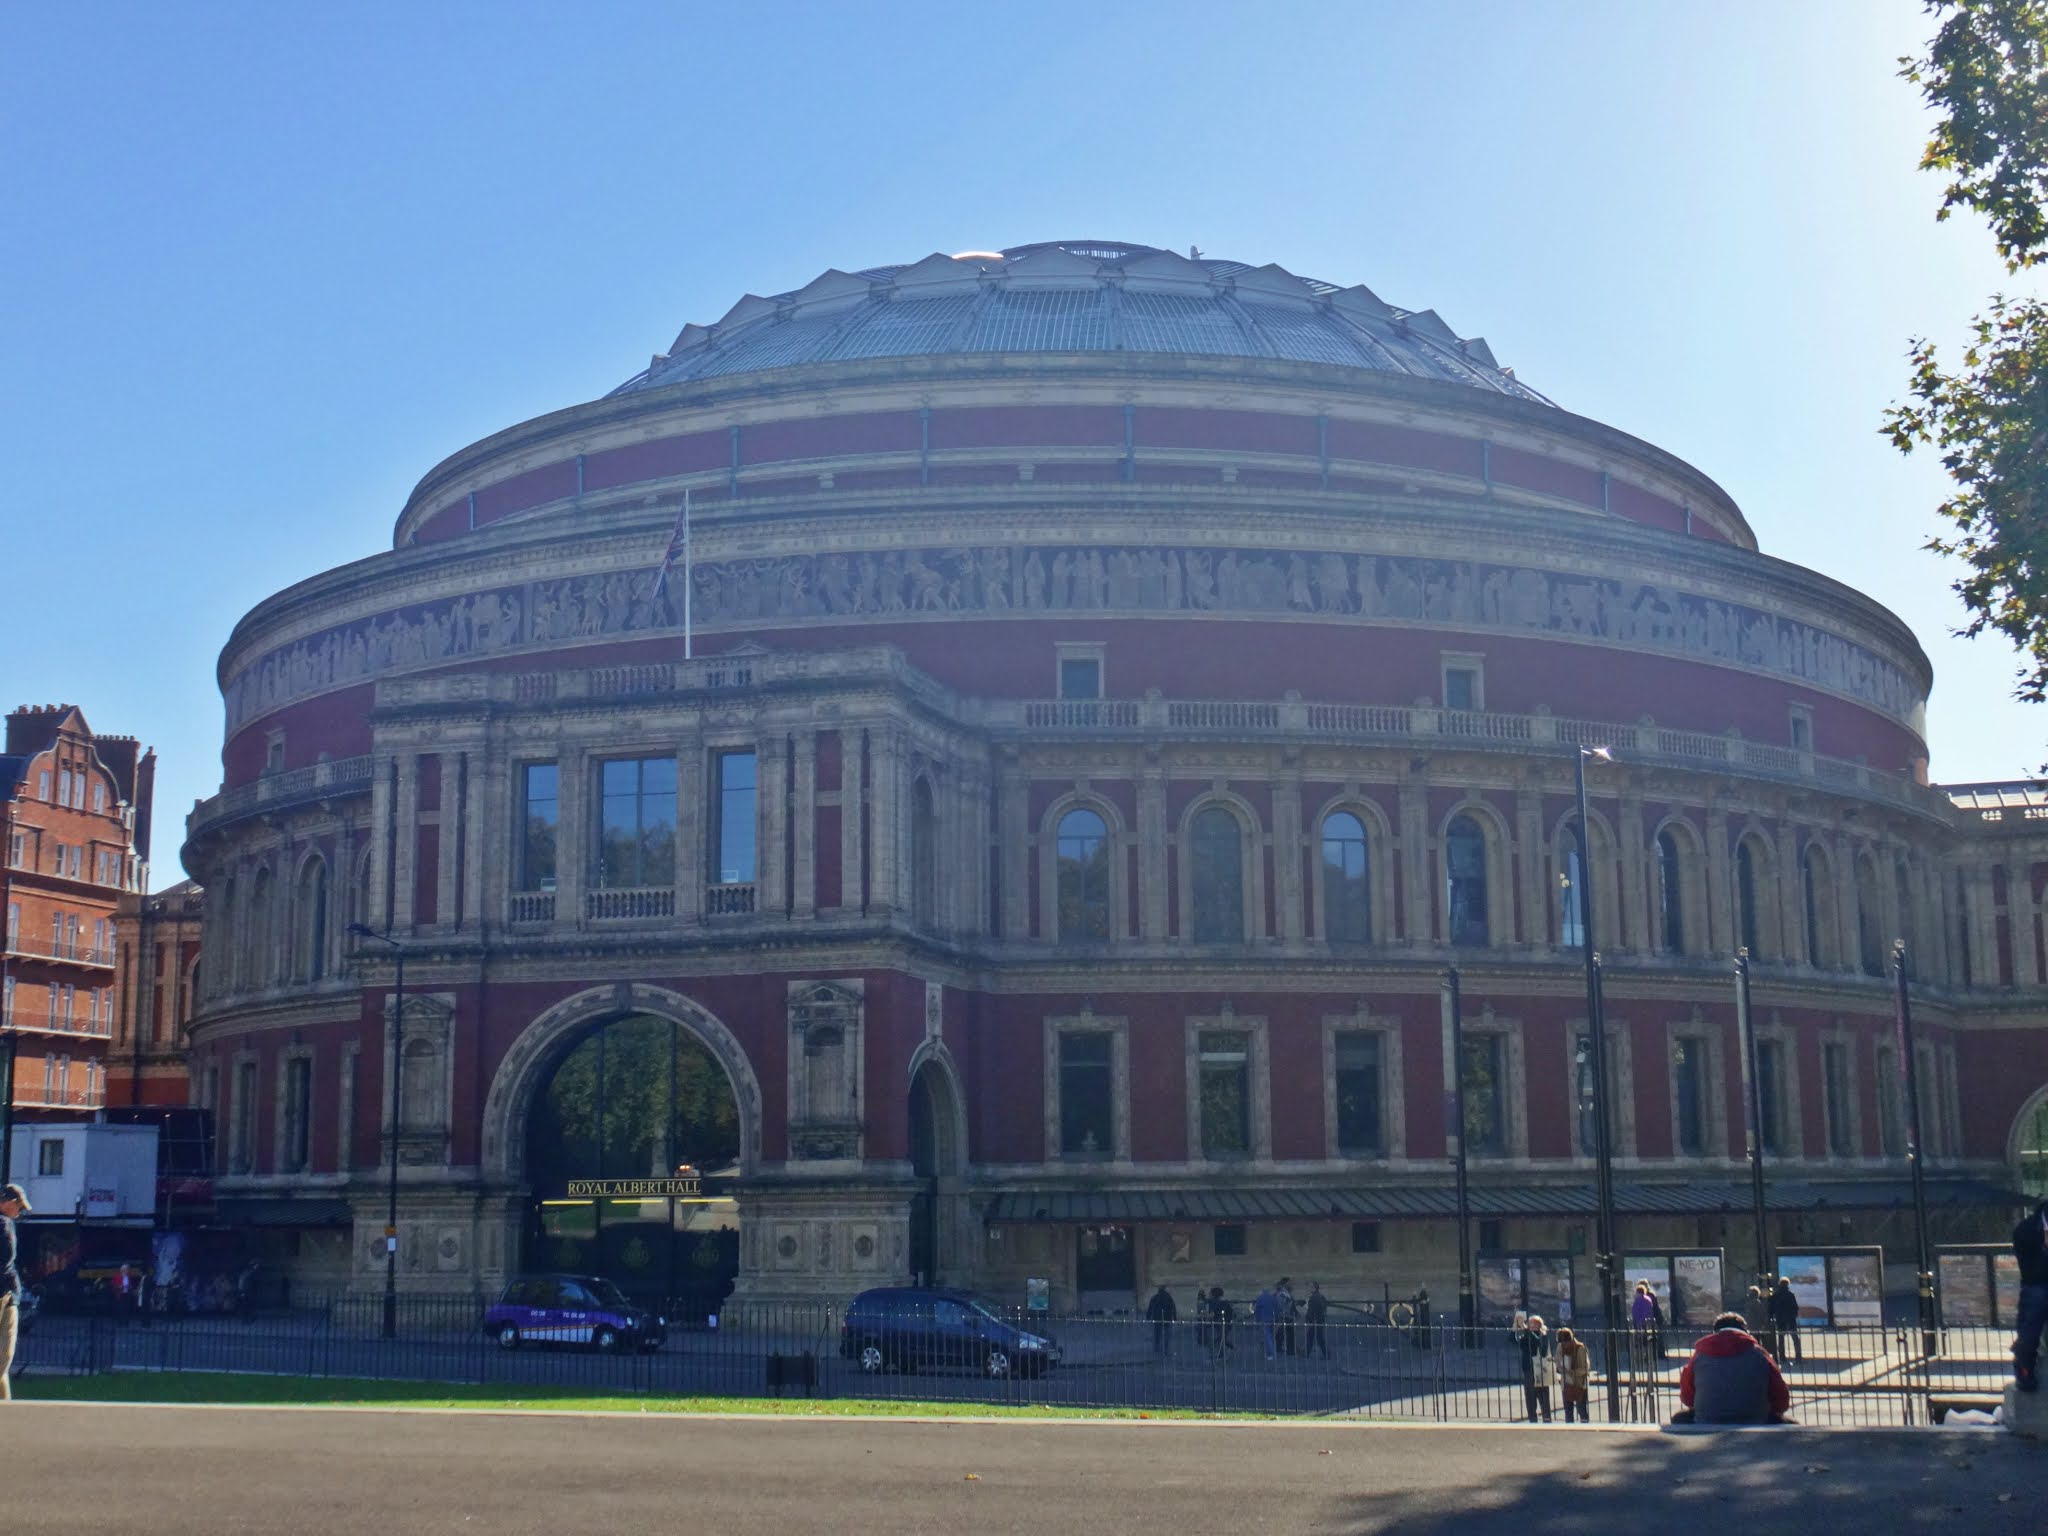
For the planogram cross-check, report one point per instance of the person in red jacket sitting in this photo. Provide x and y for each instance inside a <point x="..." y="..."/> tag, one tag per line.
<point x="1731" y="1379"/>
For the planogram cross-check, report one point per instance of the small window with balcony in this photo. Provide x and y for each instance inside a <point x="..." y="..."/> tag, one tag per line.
<point x="1357" y="1066"/>
<point x="1800" y="727"/>
<point x="1086" y="1088"/>
<point x="637" y="823"/>
<point x="273" y="752"/>
<point x="1486" y="1096"/>
<point x="733" y="832"/>
<point x="1225" y="1086"/>
<point x="1688" y="1096"/>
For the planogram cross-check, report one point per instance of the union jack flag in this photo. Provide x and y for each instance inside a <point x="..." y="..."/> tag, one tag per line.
<point x="678" y="545"/>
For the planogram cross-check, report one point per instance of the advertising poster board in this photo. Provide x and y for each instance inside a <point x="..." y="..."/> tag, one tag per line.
<point x="1037" y="1294"/>
<point x="1697" y="1288"/>
<point x="1809" y="1276"/>
<point x="1642" y="1266"/>
<point x="1855" y="1290"/>
<point x="1966" y="1300"/>
<point x="1548" y="1287"/>
<point x="1500" y="1290"/>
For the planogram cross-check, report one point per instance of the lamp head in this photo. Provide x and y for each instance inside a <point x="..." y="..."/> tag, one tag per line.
<point x="1604" y="754"/>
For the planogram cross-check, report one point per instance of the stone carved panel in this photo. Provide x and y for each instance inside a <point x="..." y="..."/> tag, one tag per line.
<point x="894" y="583"/>
<point x="825" y="1054"/>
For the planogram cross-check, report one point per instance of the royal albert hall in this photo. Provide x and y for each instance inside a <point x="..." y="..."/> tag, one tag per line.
<point x="1117" y="687"/>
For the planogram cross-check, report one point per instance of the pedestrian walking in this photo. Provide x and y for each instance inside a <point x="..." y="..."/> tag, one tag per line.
<point x="1575" y="1376"/>
<point x="1642" y="1312"/>
<point x="1221" y="1317"/>
<point x="1539" y="1369"/>
<point x="1317" y="1313"/>
<point x="2030" y="1245"/>
<point x="13" y="1203"/>
<point x="1785" y="1319"/>
<point x="1265" y="1314"/>
<point x="1756" y="1312"/>
<point x="1162" y="1313"/>
<point x="1286" y="1311"/>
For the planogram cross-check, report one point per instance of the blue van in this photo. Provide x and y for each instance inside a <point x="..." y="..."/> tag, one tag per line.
<point x="906" y="1328"/>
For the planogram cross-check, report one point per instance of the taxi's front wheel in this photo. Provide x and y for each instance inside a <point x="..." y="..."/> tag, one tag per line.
<point x="508" y="1337"/>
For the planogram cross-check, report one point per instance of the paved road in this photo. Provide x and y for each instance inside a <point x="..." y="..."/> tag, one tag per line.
<point x="108" y="1470"/>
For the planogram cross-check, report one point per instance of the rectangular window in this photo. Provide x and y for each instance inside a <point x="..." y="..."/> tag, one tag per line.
<point x="64" y="786"/>
<point x="541" y="794"/>
<point x="43" y="785"/>
<point x="1461" y="688"/>
<point x="1358" y="1094"/>
<point x="1225" y="1077"/>
<point x="1770" y="1095"/>
<point x="13" y="924"/>
<point x="1365" y="1237"/>
<point x="1080" y="677"/>
<point x="637" y="829"/>
<point x="1230" y="1242"/>
<point x="734" y="855"/>
<point x="298" y="1105"/>
<point x="17" y="849"/>
<point x="1890" y="1106"/>
<point x="1087" y="1086"/>
<point x="1688" y="1093"/>
<point x="49" y="1159"/>
<point x="99" y="798"/>
<point x="1584" y="1086"/>
<point x="1801" y="728"/>
<point x="1486" y="1100"/>
<point x="1834" y="1071"/>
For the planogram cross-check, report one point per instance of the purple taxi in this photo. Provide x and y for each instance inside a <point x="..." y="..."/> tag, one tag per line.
<point x="572" y="1309"/>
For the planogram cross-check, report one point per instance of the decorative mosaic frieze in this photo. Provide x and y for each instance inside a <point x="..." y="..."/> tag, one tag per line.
<point x="898" y="584"/>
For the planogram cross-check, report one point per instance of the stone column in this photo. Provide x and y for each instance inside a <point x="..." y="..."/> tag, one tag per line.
<point x="1983" y="924"/>
<point x="1537" y="866"/>
<point x="406" y="819"/>
<point x="1849" y="943"/>
<point x="1723" y="930"/>
<point x="483" y="855"/>
<point x="2019" y="907"/>
<point x="452" y="817"/>
<point x="1152" y="851"/>
<point x="771" y="821"/>
<point x="885" y="803"/>
<point x="1417" y="857"/>
<point x="1287" y="833"/>
<point x="576" y="817"/>
<point x="1792" y="895"/>
<point x="693" y="814"/>
<point x="383" y="807"/>
<point x="975" y="839"/>
<point x="852" y="798"/>
<point x="1014" y="809"/>
<point x="1638" y="923"/>
<point x="804" y="812"/>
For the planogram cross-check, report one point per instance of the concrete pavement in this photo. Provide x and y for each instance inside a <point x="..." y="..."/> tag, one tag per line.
<point x="157" y="1471"/>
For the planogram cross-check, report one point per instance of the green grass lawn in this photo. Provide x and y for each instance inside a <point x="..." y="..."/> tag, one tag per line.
<point x="258" y="1391"/>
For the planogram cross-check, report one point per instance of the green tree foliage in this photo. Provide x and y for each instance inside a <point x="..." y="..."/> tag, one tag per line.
<point x="1984" y="74"/>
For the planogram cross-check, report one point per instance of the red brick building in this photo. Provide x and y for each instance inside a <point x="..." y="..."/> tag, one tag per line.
<point x="74" y="832"/>
<point x="1122" y="684"/>
<point x="157" y="943"/>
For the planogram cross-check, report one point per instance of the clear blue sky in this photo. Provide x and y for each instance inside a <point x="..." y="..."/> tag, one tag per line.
<point x="266" y="264"/>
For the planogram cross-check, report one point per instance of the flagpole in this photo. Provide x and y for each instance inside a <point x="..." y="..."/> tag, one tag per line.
<point x="687" y="583"/>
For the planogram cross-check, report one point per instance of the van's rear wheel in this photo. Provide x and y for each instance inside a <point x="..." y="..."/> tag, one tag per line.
<point x="997" y="1365"/>
<point x="872" y="1360"/>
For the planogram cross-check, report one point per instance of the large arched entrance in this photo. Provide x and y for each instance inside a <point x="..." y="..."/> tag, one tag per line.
<point x="632" y="1148"/>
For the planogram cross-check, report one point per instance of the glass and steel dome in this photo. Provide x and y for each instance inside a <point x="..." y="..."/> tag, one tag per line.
<point x="1077" y="296"/>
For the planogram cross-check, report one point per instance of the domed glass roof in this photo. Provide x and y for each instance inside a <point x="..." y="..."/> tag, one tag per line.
<point x="1077" y="296"/>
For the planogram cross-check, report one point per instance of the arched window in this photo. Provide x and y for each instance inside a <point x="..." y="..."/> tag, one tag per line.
<point x="1870" y="939"/>
<point x="924" y="854"/>
<point x="1748" y="917"/>
<point x="1817" y="892"/>
<point x="1347" y="880"/>
<point x="1082" y="855"/>
<point x="1670" y="894"/>
<point x="1216" y="855"/>
<point x="311" y="961"/>
<point x="1465" y="883"/>
<point x="1571" y="894"/>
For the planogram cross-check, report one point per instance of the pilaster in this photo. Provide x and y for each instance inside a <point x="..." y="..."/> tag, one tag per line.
<point x="406" y="820"/>
<point x="1287" y="835"/>
<point x="852" y="807"/>
<point x="1014" y="811"/>
<point x="1417" y="855"/>
<point x="885" y="800"/>
<point x="1538" y="895"/>
<point x="771" y="821"/>
<point x="1152" y="851"/>
<point x="1637" y="923"/>
<point x="453" y="816"/>
<point x="804" y="815"/>
<point x="1723" y="936"/>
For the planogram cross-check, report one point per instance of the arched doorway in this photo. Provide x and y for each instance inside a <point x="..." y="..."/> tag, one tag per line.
<point x="632" y="1148"/>
<point x="935" y="1162"/>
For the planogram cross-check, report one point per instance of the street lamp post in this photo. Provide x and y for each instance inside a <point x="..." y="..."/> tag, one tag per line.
<point x="1454" y="1113"/>
<point x="1753" y="1110"/>
<point x="1914" y="1159"/>
<point x="1608" y="1262"/>
<point x="397" y="1077"/>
